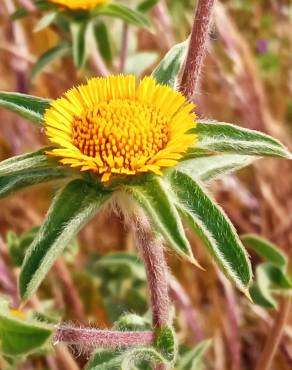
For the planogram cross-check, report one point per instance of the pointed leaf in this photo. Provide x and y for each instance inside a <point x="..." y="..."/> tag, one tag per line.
<point x="29" y="107"/>
<point x="146" y="5"/>
<point x="166" y="73"/>
<point x="102" y="39"/>
<point x="192" y="359"/>
<point x="130" y="264"/>
<point x="123" y="12"/>
<point x="228" y="138"/>
<point x="49" y="56"/>
<point x="155" y="198"/>
<point x="72" y="208"/>
<point x="46" y="21"/>
<point x="103" y="359"/>
<point x="266" y="249"/>
<point x="20" y="336"/>
<point x="23" y="162"/>
<point x="79" y="32"/>
<point x="262" y="297"/>
<point x="211" y="167"/>
<point x="14" y="182"/>
<point x="213" y="227"/>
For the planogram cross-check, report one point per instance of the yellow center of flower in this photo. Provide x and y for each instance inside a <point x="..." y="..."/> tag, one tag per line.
<point x="126" y="130"/>
<point x="112" y="126"/>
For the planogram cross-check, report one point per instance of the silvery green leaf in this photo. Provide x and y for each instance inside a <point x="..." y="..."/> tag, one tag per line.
<point x="213" y="227"/>
<point x="29" y="107"/>
<point x="166" y="73"/>
<point x="75" y="205"/>
<point x="211" y="167"/>
<point x="220" y="137"/>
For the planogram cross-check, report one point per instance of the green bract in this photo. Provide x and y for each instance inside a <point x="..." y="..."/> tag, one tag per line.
<point x="179" y="195"/>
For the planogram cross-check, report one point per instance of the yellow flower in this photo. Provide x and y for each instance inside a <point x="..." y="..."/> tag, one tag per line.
<point x="79" y="4"/>
<point x="115" y="126"/>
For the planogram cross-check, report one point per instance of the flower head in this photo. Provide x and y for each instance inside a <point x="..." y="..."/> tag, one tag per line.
<point x="115" y="126"/>
<point x="79" y="4"/>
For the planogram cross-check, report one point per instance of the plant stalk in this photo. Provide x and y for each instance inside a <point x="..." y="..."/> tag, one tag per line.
<point x="197" y="46"/>
<point x="151" y="249"/>
<point x="275" y="335"/>
<point x="103" y="338"/>
<point x="124" y="48"/>
<point x="152" y="253"/>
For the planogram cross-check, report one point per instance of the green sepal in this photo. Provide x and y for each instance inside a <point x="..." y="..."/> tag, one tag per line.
<point x="213" y="227"/>
<point x="46" y="21"/>
<point x="166" y="73"/>
<point x="73" y="206"/>
<point x="29" y="107"/>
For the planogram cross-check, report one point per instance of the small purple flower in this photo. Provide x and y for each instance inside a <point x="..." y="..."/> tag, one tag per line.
<point x="262" y="46"/>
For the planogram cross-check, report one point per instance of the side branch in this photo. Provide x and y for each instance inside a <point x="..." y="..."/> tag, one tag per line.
<point x="103" y="338"/>
<point x="198" y="41"/>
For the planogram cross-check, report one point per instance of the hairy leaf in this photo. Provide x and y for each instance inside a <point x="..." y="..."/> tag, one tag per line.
<point x="167" y="71"/>
<point x="211" y="167"/>
<point x="155" y="198"/>
<point x="23" y="162"/>
<point x="213" y="227"/>
<point x="19" y="336"/>
<point x="18" y="181"/>
<point x="166" y="343"/>
<point x="29" y="107"/>
<point x="228" y="138"/>
<point x="62" y="223"/>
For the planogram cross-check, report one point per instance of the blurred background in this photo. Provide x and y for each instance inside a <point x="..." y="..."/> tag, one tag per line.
<point x="246" y="80"/>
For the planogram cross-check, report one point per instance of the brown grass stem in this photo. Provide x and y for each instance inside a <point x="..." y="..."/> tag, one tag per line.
<point x="197" y="46"/>
<point x="275" y="335"/>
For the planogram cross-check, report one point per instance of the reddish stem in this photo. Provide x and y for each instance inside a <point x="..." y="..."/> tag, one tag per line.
<point x="198" y="41"/>
<point x="156" y="269"/>
<point x="103" y="338"/>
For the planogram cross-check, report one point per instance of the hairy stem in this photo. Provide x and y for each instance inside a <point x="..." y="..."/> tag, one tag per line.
<point x="198" y="41"/>
<point x="103" y="338"/>
<point x="275" y="335"/>
<point x="156" y="269"/>
<point x="152" y="253"/>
